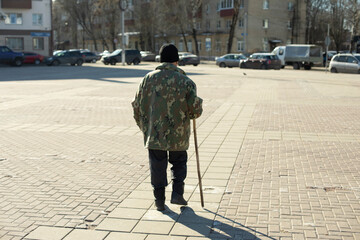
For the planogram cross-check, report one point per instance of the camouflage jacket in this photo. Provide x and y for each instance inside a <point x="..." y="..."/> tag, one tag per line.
<point x="163" y="106"/>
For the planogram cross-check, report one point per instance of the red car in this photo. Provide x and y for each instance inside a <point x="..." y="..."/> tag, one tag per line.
<point x="35" y="58"/>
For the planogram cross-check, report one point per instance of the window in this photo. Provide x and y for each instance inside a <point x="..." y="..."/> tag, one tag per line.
<point x="218" y="46"/>
<point x="207" y="25"/>
<point x="289" y="24"/>
<point x="15" y="43"/>
<point x="198" y="26"/>
<point x="13" y="18"/>
<point x="240" y="45"/>
<point x="207" y="8"/>
<point x="218" y="24"/>
<point x="226" y="4"/>
<point x="265" y="44"/>
<point x="189" y="44"/>
<point x="242" y="4"/>
<point x="37" y="19"/>
<point x="241" y="22"/>
<point x="199" y="44"/>
<point x="38" y="43"/>
<point x="266" y="4"/>
<point x="288" y="41"/>
<point x="181" y="45"/>
<point x="290" y="6"/>
<point x="351" y="60"/>
<point x="266" y="23"/>
<point x="228" y="24"/>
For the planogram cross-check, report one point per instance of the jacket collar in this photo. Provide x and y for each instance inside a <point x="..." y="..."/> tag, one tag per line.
<point x="169" y="66"/>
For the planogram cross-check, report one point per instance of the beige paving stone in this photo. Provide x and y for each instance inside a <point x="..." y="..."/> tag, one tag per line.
<point x="191" y="229"/>
<point x="48" y="233"/>
<point x="116" y="224"/>
<point x="170" y="215"/>
<point x="128" y="213"/>
<point x="153" y="227"/>
<point x="81" y="234"/>
<point x="125" y="236"/>
<point x="162" y="237"/>
<point x="136" y="203"/>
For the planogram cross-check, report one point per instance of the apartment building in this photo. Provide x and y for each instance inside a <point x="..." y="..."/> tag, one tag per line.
<point x="261" y="26"/>
<point x="25" y="25"/>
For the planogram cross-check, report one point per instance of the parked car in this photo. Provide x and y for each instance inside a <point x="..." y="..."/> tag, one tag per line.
<point x="33" y="58"/>
<point x="7" y="56"/>
<point x="157" y="58"/>
<point x="261" y="61"/>
<point x="90" y="56"/>
<point x="66" y="57"/>
<point x="229" y="60"/>
<point x="131" y="56"/>
<point x="186" y="58"/>
<point x="346" y="63"/>
<point x="147" y="56"/>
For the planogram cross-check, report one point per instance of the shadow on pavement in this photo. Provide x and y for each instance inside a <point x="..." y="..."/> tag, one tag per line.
<point x="207" y="227"/>
<point x="67" y="72"/>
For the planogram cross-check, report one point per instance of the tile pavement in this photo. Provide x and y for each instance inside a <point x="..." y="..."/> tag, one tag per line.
<point x="279" y="157"/>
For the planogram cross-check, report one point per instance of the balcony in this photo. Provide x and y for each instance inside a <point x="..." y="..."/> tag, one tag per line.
<point x="18" y="4"/>
<point x="227" y="12"/>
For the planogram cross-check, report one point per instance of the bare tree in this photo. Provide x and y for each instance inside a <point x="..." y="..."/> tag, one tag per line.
<point x="233" y="25"/>
<point x="195" y="7"/>
<point x="109" y="13"/>
<point x="337" y="21"/>
<point x="85" y="13"/>
<point x="353" y="20"/>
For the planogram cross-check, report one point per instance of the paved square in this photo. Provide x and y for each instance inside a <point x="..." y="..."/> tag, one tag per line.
<point x="279" y="153"/>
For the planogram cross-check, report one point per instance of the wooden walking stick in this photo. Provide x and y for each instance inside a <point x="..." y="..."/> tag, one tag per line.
<point x="198" y="164"/>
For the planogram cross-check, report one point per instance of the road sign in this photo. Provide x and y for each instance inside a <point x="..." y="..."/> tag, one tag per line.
<point x="327" y="41"/>
<point x="208" y="44"/>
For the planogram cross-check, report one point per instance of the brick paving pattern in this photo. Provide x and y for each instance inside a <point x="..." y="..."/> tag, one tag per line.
<point x="279" y="155"/>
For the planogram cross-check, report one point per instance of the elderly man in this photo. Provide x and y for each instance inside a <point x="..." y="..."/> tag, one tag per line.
<point x="163" y="106"/>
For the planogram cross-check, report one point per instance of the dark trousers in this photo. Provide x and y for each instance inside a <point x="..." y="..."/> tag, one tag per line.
<point x="158" y="161"/>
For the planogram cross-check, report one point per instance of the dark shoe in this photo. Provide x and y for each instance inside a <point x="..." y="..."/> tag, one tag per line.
<point x="177" y="199"/>
<point x="160" y="205"/>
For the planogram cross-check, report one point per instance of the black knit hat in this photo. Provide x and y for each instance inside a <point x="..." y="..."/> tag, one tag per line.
<point x="169" y="53"/>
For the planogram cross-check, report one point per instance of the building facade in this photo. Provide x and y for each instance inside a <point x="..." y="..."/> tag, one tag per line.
<point x="261" y="26"/>
<point x="25" y="25"/>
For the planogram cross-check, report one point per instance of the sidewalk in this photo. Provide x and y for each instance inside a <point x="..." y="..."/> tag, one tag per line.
<point x="279" y="153"/>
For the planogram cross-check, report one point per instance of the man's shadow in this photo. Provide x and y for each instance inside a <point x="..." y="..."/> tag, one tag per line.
<point x="210" y="228"/>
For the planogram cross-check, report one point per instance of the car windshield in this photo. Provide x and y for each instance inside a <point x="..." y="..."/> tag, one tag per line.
<point x="59" y="54"/>
<point x="116" y="52"/>
<point x="357" y="57"/>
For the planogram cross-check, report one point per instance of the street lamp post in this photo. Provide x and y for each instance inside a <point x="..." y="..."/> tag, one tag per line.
<point x="123" y="6"/>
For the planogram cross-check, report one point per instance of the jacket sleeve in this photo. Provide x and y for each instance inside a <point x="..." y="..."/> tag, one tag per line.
<point x="136" y="105"/>
<point x="194" y="102"/>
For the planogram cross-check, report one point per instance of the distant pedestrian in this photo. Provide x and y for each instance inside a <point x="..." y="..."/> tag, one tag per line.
<point x="163" y="106"/>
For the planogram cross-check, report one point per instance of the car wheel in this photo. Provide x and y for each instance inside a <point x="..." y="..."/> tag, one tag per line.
<point x="222" y="65"/>
<point x="307" y="67"/>
<point x="296" y="66"/>
<point x="181" y="63"/>
<point x="106" y="63"/>
<point x="79" y="62"/>
<point x="113" y="62"/>
<point x="136" y="61"/>
<point x="195" y="65"/>
<point x="37" y="61"/>
<point x="56" y="63"/>
<point x="263" y="67"/>
<point x="93" y="61"/>
<point x="18" y="62"/>
<point x="72" y="64"/>
<point x="333" y="70"/>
